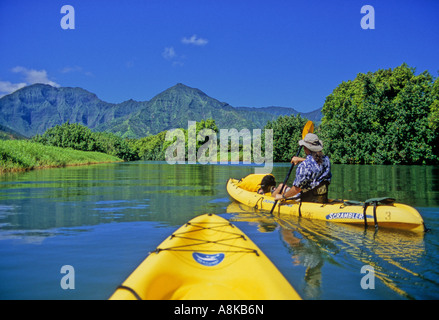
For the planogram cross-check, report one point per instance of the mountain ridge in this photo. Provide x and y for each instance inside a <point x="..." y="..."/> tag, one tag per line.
<point x="34" y="109"/>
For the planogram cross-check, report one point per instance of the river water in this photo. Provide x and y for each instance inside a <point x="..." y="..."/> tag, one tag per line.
<point x="103" y="220"/>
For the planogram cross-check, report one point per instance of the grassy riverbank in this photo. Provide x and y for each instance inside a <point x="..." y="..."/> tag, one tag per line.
<point x="21" y="155"/>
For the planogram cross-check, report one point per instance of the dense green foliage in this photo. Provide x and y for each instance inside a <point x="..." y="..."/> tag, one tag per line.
<point x="434" y="108"/>
<point x="150" y="148"/>
<point x="154" y="147"/>
<point x="16" y="155"/>
<point x="385" y="117"/>
<point x="79" y="137"/>
<point x="287" y="131"/>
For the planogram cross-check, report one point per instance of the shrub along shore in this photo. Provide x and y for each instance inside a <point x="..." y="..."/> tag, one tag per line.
<point x="22" y="155"/>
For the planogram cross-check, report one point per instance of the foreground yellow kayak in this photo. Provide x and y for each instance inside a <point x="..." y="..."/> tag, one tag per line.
<point x="210" y="259"/>
<point x="390" y="215"/>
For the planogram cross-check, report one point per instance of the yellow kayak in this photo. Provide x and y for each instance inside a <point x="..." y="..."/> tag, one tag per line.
<point x="210" y="259"/>
<point x="389" y="215"/>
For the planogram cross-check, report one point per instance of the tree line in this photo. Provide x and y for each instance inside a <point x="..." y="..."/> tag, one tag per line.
<point x="79" y="137"/>
<point x="383" y="117"/>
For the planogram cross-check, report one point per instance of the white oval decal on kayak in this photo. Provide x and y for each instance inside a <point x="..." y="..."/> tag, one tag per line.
<point x="209" y="260"/>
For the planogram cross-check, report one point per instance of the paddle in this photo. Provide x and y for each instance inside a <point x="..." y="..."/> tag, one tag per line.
<point x="309" y="128"/>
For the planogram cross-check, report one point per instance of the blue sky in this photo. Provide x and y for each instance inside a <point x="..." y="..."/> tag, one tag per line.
<point x="246" y="53"/>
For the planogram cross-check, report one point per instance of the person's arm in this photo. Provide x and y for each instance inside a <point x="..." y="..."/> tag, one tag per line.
<point x="293" y="190"/>
<point x="290" y="193"/>
<point x="277" y="191"/>
<point x="297" y="160"/>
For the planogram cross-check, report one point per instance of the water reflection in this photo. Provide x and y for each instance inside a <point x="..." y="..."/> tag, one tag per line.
<point x="123" y="192"/>
<point x="58" y="205"/>
<point x="378" y="249"/>
<point x="394" y="255"/>
<point x="138" y="191"/>
<point x="412" y="185"/>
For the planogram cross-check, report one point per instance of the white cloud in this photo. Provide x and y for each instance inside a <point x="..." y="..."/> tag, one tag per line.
<point x="77" y="69"/>
<point x="71" y="69"/>
<point x="169" y="53"/>
<point x="32" y="76"/>
<point x="7" y="87"/>
<point x="195" y="41"/>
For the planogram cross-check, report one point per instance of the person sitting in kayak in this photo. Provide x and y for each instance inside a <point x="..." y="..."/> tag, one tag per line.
<point x="313" y="174"/>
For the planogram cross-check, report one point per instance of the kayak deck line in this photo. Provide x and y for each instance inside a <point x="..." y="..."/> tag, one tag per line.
<point x="130" y="290"/>
<point x="200" y="227"/>
<point x="206" y="259"/>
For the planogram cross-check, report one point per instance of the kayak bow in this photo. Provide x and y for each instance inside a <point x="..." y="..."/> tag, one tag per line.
<point x="208" y="258"/>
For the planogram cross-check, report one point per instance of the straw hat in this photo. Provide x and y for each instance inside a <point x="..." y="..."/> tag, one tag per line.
<point x="312" y="142"/>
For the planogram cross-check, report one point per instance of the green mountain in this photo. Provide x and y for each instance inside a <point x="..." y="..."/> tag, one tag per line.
<point x="259" y="115"/>
<point x="9" y="134"/>
<point x="33" y="109"/>
<point x="173" y="108"/>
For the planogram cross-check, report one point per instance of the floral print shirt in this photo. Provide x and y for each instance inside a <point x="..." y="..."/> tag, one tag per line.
<point x="309" y="174"/>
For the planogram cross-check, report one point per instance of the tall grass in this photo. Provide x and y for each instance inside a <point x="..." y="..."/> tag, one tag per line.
<point x="18" y="155"/>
